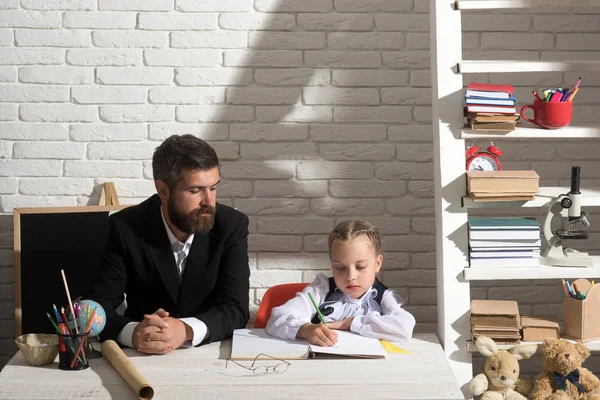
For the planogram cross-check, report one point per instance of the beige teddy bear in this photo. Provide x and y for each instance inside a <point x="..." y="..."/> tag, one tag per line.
<point x="500" y="377"/>
<point x="563" y="376"/>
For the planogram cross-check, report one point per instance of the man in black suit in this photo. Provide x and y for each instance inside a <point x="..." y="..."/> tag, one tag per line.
<point x="181" y="258"/>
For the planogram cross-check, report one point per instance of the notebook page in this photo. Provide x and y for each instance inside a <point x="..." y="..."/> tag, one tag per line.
<point x="353" y="344"/>
<point x="248" y="343"/>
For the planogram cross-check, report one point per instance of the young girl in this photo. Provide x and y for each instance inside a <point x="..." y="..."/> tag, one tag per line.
<point x="352" y="300"/>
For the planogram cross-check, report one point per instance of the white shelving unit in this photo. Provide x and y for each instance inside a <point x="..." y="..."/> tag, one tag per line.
<point x="486" y="66"/>
<point x="590" y="198"/>
<point x="593" y="346"/>
<point x="530" y="131"/>
<point x="491" y="273"/>
<point x="449" y="134"/>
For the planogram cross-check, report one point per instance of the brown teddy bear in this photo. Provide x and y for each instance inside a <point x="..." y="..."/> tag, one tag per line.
<point x="500" y="377"/>
<point x="563" y="376"/>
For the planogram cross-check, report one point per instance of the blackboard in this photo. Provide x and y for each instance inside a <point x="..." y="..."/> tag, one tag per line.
<point x="46" y="241"/>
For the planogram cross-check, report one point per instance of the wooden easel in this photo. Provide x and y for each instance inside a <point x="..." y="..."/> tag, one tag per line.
<point x="108" y="196"/>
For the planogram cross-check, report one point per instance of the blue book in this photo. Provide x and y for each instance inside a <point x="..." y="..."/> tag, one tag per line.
<point x="503" y="224"/>
<point x="511" y="101"/>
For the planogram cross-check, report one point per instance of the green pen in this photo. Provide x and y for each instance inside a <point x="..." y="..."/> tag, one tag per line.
<point x="317" y="308"/>
<point x="321" y="317"/>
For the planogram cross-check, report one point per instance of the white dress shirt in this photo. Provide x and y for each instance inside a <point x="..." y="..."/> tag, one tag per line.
<point x="393" y="322"/>
<point x="180" y="253"/>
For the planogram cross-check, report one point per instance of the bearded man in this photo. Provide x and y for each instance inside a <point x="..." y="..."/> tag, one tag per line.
<point x="179" y="258"/>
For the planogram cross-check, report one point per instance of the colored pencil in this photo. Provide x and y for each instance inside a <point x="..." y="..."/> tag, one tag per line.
<point x="62" y="271"/>
<point x="56" y="313"/>
<point x="87" y="314"/>
<point x="64" y="316"/>
<point x="54" y="324"/>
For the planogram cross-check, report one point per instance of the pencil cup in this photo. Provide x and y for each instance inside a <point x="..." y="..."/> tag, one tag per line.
<point x="549" y="115"/>
<point x="72" y="352"/>
<point x="581" y="322"/>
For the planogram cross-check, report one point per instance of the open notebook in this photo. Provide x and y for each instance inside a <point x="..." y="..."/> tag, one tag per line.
<point x="248" y="343"/>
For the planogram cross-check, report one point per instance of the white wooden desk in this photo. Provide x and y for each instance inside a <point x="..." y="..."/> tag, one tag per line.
<point x="200" y="373"/>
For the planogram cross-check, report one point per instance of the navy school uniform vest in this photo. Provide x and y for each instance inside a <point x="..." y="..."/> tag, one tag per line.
<point x="335" y="295"/>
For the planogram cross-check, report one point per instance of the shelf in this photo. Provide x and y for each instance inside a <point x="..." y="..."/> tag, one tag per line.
<point x="541" y="272"/>
<point x="593" y="346"/>
<point x="589" y="198"/>
<point x="485" y="66"/>
<point x="530" y="131"/>
<point x="498" y="4"/>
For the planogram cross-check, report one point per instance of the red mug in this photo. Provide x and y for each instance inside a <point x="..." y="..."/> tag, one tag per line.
<point x="549" y="115"/>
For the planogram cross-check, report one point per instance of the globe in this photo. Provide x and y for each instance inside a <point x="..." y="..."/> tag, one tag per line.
<point x="99" y="320"/>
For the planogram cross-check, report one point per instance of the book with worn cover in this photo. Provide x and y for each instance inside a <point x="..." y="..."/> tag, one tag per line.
<point x="505" y="181"/>
<point x="511" y="101"/>
<point x="490" y="90"/>
<point x="505" y="234"/>
<point x="476" y="244"/>
<point x="503" y="223"/>
<point x="505" y="262"/>
<point x="492" y="126"/>
<point x="491" y="117"/>
<point x="491" y="109"/>
<point x="504" y="253"/>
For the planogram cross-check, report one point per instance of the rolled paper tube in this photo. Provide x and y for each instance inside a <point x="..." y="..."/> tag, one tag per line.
<point x="125" y="368"/>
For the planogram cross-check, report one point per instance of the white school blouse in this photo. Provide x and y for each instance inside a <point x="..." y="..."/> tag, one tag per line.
<point x="393" y="323"/>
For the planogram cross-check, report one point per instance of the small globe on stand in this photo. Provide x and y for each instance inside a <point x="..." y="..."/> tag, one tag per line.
<point x="97" y="325"/>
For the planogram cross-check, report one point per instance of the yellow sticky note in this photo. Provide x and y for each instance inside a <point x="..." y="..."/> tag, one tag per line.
<point x="392" y="348"/>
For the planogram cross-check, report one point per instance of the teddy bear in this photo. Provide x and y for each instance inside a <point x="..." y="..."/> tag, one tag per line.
<point x="563" y="376"/>
<point x="500" y="377"/>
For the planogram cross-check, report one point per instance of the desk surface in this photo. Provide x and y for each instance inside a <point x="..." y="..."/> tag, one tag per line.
<point x="200" y="373"/>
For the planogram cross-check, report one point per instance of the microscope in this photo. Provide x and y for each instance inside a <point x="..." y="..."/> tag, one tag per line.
<point x="568" y="206"/>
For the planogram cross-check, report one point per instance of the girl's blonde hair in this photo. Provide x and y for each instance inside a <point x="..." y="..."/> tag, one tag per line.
<point x="350" y="229"/>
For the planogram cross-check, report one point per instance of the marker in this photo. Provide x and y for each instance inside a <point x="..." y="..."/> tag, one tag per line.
<point x="577" y="83"/>
<point x="573" y="93"/>
<point x="556" y="96"/>
<point x="571" y="293"/>
<point x="545" y="92"/>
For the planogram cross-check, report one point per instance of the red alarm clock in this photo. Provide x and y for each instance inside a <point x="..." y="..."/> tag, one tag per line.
<point x="483" y="160"/>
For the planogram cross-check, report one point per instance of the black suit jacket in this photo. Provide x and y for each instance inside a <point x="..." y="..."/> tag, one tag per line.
<point x="139" y="261"/>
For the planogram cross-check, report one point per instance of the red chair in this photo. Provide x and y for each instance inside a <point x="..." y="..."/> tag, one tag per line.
<point x="274" y="297"/>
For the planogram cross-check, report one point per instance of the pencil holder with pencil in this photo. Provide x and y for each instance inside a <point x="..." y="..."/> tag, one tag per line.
<point x="581" y="322"/>
<point x="549" y="115"/>
<point x="72" y="351"/>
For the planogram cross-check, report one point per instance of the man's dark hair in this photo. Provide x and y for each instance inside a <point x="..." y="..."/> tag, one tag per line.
<point x="182" y="152"/>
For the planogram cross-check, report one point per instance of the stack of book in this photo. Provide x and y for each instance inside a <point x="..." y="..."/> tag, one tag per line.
<point x="504" y="242"/>
<point x="496" y="319"/>
<point x="491" y="108"/>
<point x="511" y="185"/>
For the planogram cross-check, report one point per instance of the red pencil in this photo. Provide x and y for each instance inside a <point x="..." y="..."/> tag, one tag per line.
<point x="64" y="317"/>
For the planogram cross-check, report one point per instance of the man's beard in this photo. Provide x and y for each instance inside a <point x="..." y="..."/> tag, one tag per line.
<point x="194" y="222"/>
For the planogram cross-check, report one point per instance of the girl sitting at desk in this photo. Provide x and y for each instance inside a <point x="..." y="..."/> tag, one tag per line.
<point x="352" y="300"/>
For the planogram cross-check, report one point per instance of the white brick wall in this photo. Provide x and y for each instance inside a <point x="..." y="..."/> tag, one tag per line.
<point x="319" y="109"/>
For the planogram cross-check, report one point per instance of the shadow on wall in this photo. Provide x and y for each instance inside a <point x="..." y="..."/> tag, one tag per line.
<point x="303" y="130"/>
